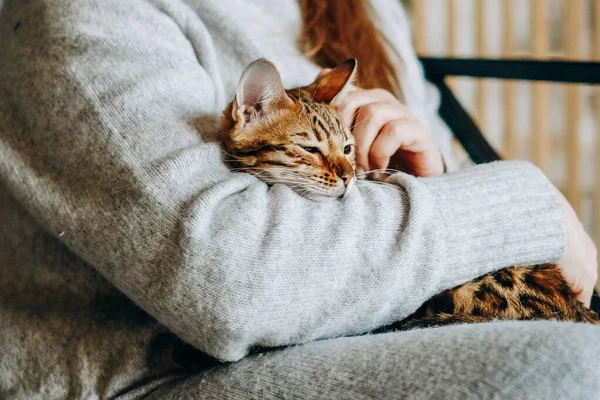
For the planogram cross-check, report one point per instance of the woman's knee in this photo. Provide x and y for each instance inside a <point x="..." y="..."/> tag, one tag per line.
<point x="561" y="360"/>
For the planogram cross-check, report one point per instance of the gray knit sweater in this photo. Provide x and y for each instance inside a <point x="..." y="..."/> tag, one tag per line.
<point x="120" y="223"/>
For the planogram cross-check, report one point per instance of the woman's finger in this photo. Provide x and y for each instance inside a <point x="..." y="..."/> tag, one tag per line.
<point x="353" y="101"/>
<point x="579" y="265"/>
<point x="393" y="135"/>
<point x="369" y="120"/>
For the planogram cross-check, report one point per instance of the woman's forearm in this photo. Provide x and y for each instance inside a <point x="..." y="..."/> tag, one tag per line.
<point x="101" y="101"/>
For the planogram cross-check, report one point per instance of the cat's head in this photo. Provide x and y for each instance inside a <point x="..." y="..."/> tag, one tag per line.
<point x="293" y="137"/>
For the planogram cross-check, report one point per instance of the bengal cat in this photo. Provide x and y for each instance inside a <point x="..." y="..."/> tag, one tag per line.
<point x="295" y="137"/>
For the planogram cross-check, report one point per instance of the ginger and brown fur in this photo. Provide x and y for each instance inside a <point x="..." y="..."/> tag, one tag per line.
<point x="515" y="293"/>
<point x="295" y="137"/>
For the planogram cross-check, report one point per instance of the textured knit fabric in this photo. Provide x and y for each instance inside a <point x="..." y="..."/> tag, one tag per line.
<point x="121" y="228"/>
<point x="509" y="360"/>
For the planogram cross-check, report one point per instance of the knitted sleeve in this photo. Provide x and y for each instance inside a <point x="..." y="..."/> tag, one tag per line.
<point x="103" y="105"/>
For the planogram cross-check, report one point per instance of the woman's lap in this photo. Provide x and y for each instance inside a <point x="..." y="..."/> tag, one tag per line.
<point x="498" y="360"/>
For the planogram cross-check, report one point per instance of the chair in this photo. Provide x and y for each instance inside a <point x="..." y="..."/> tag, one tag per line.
<point x="461" y="124"/>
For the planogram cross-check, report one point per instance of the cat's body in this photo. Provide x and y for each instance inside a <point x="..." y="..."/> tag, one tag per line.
<point x="295" y="137"/>
<point x="515" y="293"/>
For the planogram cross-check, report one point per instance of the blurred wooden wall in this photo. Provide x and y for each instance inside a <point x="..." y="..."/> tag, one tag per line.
<point x="561" y="131"/>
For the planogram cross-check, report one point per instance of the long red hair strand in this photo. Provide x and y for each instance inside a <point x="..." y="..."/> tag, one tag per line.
<point x="336" y="30"/>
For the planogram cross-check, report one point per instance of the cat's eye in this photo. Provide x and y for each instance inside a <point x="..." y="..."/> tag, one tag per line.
<point x="348" y="149"/>
<point x="310" y="149"/>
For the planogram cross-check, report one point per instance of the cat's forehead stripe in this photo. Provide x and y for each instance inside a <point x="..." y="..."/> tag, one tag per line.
<point x="322" y="119"/>
<point x="310" y="117"/>
<point x="303" y="135"/>
<point x="341" y="128"/>
<point x="322" y="129"/>
<point x="326" y="127"/>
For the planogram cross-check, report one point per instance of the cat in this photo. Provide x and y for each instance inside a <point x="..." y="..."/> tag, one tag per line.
<point x="295" y="137"/>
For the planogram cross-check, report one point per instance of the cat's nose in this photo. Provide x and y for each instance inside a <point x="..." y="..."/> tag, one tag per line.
<point x="346" y="177"/>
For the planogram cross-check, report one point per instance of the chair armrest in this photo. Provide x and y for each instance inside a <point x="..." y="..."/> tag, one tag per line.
<point x="531" y="70"/>
<point x="459" y="121"/>
<point x="462" y="125"/>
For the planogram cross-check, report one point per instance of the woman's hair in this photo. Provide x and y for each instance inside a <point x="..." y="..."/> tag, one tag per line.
<point x="336" y="30"/>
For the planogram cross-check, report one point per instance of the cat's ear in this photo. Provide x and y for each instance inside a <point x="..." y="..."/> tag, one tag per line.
<point x="259" y="92"/>
<point x="332" y="85"/>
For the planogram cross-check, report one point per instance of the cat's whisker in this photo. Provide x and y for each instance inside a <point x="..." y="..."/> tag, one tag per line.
<point x="355" y="114"/>
<point x="305" y="189"/>
<point x="356" y="123"/>
<point x="296" y="183"/>
<point x="396" y="187"/>
<point x="232" y="155"/>
<point x="315" y="92"/>
<point x="370" y="187"/>
<point x="256" y="173"/>
<point x="259" y="171"/>
<point x="388" y="170"/>
<point x="271" y="168"/>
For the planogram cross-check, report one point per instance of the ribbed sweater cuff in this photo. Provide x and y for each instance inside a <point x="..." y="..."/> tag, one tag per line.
<point x="497" y="215"/>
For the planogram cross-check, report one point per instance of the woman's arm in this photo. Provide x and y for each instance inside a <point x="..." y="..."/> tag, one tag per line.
<point x="99" y="101"/>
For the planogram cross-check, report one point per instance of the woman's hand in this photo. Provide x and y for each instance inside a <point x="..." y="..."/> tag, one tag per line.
<point x="388" y="135"/>
<point x="580" y="264"/>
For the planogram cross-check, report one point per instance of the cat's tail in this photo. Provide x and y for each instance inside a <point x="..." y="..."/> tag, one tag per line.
<point x="582" y="314"/>
<point x="441" y="319"/>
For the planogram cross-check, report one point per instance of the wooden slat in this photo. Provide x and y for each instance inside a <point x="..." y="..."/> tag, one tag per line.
<point x="573" y="39"/>
<point x="510" y="51"/>
<point x="596" y="41"/>
<point x="480" y="51"/>
<point x="420" y="28"/>
<point x="540" y="43"/>
<point x="452" y="24"/>
<point x="451" y="35"/>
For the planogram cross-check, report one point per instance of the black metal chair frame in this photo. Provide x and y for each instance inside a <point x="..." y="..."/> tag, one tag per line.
<point x="459" y="121"/>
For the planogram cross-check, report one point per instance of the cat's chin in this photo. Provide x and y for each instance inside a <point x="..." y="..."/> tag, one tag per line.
<point x="324" y="197"/>
<point x="319" y="197"/>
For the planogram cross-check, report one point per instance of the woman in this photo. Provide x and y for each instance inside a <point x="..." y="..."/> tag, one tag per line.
<point x="123" y="232"/>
